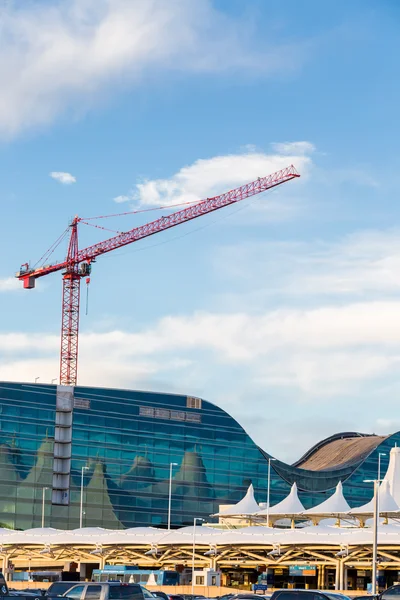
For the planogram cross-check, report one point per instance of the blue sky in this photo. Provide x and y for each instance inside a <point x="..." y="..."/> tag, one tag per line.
<point x="284" y="312"/>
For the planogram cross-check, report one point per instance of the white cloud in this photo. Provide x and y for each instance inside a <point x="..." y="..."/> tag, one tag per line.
<point x="121" y="199"/>
<point x="303" y="348"/>
<point x="209" y="177"/>
<point x="355" y="175"/>
<point x="360" y="264"/>
<point x="62" y="177"/>
<point x="294" y="148"/>
<point x="59" y="55"/>
<point x="9" y="284"/>
<point x="311" y="358"/>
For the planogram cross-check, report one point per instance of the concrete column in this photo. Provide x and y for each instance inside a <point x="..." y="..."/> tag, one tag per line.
<point x="6" y="574"/>
<point x="337" y="582"/>
<point x="345" y="578"/>
<point x="341" y="575"/>
<point x="321" y="578"/>
<point x="82" y="571"/>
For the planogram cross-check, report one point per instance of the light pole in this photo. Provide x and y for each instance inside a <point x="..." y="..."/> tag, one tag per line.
<point x="194" y="549"/>
<point x="170" y="492"/>
<point x="269" y="486"/>
<point x="375" y="533"/>
<point x="81" y="510"/>
<point x="53" y="380"/>
<point x="37" y="379"/>
<point x="43" y="496"/>
<point x="379" y="464"/>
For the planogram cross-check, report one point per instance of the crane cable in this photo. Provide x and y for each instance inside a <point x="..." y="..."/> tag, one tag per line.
<point x="141" y="210"/>
<point x="179" y="237"/>
<point x="52" y="248"/>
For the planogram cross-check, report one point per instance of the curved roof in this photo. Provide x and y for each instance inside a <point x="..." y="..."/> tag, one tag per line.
<point x="340" y="450"/>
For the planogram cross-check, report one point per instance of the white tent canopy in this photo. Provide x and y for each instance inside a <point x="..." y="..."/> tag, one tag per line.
<point x="290" y="505"/>
<point x="393" y="474"/>
<point x="386" y="503"/>
<point x="148" y="536"/>
<point x="246" y="507"/>
<point x="334" y="505"/>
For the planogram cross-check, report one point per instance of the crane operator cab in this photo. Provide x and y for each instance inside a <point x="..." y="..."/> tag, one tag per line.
<point x="85" y="269"/>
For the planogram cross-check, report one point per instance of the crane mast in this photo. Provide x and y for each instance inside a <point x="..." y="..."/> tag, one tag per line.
<point x="77" y="263"/>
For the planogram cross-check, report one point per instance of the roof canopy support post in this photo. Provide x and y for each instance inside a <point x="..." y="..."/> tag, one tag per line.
<point x="5" y="566"/>
<point x="337" y="581"/>
<point x="341" y="575"/>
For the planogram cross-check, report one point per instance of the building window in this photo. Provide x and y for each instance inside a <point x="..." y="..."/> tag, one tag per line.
<point x="174" y="415"/>
<point x="192" y="402"/>
<point x="193" y="417"/>
<point x="199" y="580"/>
<point x="146" y="411"/>
<point x="81" y="403"/>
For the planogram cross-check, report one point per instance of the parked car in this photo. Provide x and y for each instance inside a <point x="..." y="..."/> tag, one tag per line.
<point x="21" y="595"/>
<point x="391" y="593"/>
<point x="251" y="596"/>
<point x="162" y="595"/>
<point x="147" y="594"/>
<point x="307" y="595"/>
<point x="59" y="588"/>
<point x="110" y="590"/>
<point x="27" y="592"/>
<point x="245" y="596"/>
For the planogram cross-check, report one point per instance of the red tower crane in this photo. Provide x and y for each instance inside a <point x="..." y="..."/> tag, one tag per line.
<point x="78" y="262"/>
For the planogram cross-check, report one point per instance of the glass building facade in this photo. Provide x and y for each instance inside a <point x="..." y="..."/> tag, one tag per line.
<point x="121" y="448"/>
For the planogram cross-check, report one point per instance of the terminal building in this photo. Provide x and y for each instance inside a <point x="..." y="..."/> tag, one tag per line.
<point x="110" y="451"/>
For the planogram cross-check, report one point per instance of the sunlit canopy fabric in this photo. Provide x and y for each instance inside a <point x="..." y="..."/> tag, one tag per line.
<point x="386" y="503"/>
<point x="289" y="506"/>
<point x="246" y="507"/>
<point x="334" y="505"/>
<point x="147" y="537"/>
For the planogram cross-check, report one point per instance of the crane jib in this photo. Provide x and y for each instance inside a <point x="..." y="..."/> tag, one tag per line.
<point x="78" y="262"/>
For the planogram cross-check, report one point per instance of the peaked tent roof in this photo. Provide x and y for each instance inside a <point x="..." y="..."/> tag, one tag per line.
<point x="393" y="474"/>
<point x="334" y="505"/>
<point x="387" y="503"/>
<point x="246" y="506"/>
<point x="290" y="505"/>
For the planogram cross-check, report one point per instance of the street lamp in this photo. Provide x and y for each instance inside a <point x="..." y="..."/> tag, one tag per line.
<point x="269" y="486"/>
<point x="194" y="549"/>
<point x="376" y="483"/>
<point x="43" y="495"/>
<point x="81" y="510"/>
<point x="53" y="380"/>
<point x="37" y="379"/>
<point x="379" y="464"/>
<point x="170" y="492"/>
